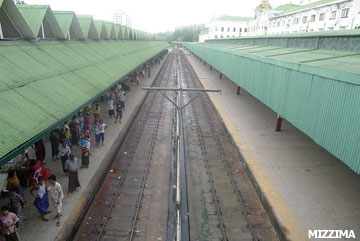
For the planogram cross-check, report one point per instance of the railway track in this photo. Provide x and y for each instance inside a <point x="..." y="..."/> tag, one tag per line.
<point x="120" y="210"/>
<point x="138" y="199"/>
<point x="224" y="206"/>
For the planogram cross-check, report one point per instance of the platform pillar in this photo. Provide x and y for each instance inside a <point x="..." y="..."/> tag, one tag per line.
<point x="220" y="77"/>
<point x="279" y="122"/>
<point x="238" y="90"/>
<point x="210" y="67"/>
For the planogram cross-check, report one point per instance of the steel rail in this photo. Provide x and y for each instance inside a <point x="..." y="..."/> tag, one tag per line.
<point x="213" y="191"/>
<point x="131" y="153"/>
<point x="231" y="175"/>
<point x="152" y="144"/>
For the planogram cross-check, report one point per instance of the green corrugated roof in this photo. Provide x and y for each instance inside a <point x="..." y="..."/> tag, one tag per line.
<point x="234" y="18"/>
<point x="289" y="8"/>
<point x="318" y="91"/>
<point x="35" y="16"/>
<point x="69" y="23"/>
<point x="17" y="19"/>
<point x="101" y="29"/>
<point x="42" y="83"/>
<point x="88" y="27"/>
<point x="117" y="30"/>
<point x="110" y="30"/>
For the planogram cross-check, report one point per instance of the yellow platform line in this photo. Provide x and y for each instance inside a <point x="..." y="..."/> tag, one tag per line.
<point x="286" y="219"/>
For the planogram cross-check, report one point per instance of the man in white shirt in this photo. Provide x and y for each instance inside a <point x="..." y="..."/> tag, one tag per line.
<point x="64" y="152"/>
<point x="56" y="195"/>
<point x="111" y="106"/>
<point x="122" y="98"/>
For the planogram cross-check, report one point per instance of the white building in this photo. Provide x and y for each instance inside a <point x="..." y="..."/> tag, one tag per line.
<point x="226" y="27"/>
<point x="297" y="16"/>
<point x="120" y="17"/>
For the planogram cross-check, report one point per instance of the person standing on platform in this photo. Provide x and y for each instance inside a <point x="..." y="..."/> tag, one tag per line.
<point x="72" y="166"/>
<point x="80" y="118"/>
<point x="102" y="127"/>
<point x="40" y="151"/>
<point x="8" y="227"/>
<point x="54" y="140"/>
<point x="122" y="98"/>
<point x="65" y="152"/>
<point x="85" y="152"/>
<point x="87" y="120"/>
<point x="111" y="106"/>
<point x="97" y="134"/>
<point x="74" y="127"/>
<point x="57" y="196"/>
<point x="41" y="198"/>
<point x="97" y="112"/>
<point x="118" y="113"/>
<point x="16" y="205"/>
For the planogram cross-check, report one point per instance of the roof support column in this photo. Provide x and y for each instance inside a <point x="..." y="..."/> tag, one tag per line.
<point x="220" y="77"/>
<point x="1" y="32"/>
<point x="210" y="67"/>
<point x="279" y="122"/>
<point x="42" y="31"/>
<point x="238" y="90"/>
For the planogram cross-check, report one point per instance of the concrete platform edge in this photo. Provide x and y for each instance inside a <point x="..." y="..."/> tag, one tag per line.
<point x="72" y="223"/>
<point x="282" y="218"/>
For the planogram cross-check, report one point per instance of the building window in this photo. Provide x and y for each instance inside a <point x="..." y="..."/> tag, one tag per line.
<point x="234" y="30"/>
<point x="222" y="29"/>
<point x="216" y="36"/>
<point x="278" y="24"/>
<point x="221" y="36"/>
<point x="245" y="30"/>
<point x="333" y="15"/>
<point x="240" y="30"/>
<point x="296" y="20"/>
<point x="312" y="19"/>
<point x="322" y="17"/>
<point x="345" y="13"/>
<point x="228" y="29"/>
<point x="228" y="36"/>
<point x="283" y="23"/>
<point x="216" y="29"/>
<point x="305" y="19"/>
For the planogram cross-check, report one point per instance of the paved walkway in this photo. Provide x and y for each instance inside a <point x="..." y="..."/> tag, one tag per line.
<point x="306" y="186"/>
<point x="33" y="228"/>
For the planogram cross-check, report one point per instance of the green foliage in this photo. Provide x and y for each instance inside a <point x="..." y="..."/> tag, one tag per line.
<point x="183" y="34"/>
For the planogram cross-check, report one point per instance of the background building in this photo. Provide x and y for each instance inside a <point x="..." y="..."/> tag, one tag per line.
<point x="297" y="16"/>
<point x="226" y="27"/>
<point x="122" y="18"/>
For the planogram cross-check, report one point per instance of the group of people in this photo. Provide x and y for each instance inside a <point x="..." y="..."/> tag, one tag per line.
<point x="76" y="132"/>
<point x="12" y="217"/>
<point x="119" y="101"/>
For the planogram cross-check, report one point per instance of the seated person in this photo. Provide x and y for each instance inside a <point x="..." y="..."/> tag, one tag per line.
<point x="14" y="183"/>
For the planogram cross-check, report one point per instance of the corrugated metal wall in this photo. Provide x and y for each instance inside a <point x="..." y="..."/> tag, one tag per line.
<point x="325" y="109"/>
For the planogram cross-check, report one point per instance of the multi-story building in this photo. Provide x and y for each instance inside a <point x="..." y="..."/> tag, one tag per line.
<point x="297" y="16"/>
<point x="122" y="18"/>
<point x="226" y="27"/>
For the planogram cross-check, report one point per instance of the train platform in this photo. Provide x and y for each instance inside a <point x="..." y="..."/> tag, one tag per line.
<point x="33" y="228"/>
<point x="305" y="186"/>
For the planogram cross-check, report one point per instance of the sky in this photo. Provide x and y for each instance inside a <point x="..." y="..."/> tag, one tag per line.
<point x="159" y="15"/>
